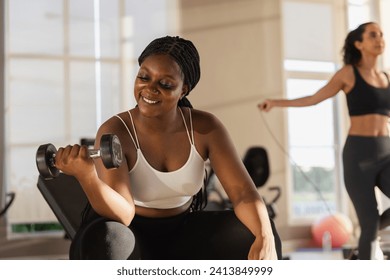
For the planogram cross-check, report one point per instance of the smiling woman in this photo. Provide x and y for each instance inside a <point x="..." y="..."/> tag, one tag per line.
<point x="156" y="194"/>
<point x="159" y="82"/>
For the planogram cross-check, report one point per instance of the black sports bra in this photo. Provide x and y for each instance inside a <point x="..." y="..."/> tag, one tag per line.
<point x="366" y="99"/>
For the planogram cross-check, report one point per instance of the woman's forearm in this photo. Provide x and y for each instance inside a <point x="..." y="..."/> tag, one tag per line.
<point x="106" y="201"/>
<point x="298" y="102"/>
<point x="253" y="214"/>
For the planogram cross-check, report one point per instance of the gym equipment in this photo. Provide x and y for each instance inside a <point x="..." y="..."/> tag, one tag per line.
<point x="257" y="164"/>
<point x="11" y="196"/>
<point x="337" y="225"/>
<point x="66" y="199"/>
<point x="110" y="152"/>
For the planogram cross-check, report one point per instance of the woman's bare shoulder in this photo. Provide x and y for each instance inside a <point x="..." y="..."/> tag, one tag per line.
<point x="115" y="124"/>
<point x="205" y="120"/>
<point x="345" y="78"/>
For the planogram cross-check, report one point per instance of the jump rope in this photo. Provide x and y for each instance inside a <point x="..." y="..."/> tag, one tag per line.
<point x="287" y="154"/>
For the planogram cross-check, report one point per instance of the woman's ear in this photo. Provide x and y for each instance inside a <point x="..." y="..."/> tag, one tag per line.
<point x="358" y="45"/>
<point x="184" y="91"/>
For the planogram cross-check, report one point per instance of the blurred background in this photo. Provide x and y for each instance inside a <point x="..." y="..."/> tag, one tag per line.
<point x="68" y="65"/>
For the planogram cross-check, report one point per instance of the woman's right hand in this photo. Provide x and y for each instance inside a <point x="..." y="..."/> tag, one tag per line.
<point x="266" y="105"/>
<point x="263" y="249"/>
<point x="75" y="161"/>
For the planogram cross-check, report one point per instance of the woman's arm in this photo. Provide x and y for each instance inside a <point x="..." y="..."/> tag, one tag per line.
<point x="248" y="204"/>
<point x="335" y="84"/>
<point x="108" y="190"/>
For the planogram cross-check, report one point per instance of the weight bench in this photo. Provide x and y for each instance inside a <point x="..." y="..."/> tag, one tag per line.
<point x="66" y="199"/>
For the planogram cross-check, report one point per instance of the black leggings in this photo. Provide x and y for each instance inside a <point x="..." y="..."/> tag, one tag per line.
<point x="366" y="165"/>
<point x="203" y="235"/>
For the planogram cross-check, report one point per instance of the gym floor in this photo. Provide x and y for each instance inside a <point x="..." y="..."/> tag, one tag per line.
<point x="35" y="248"/>
<point x="56" y="247"/>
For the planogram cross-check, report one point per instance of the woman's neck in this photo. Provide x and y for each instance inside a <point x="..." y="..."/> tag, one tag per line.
<point x="368" y="63"/>
<point x="165" y="123"/>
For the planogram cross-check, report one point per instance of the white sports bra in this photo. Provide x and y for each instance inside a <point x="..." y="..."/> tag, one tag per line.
<point x="152" y="188"/>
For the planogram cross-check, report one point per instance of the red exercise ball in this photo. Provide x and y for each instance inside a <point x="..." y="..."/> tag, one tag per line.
<point x="339" y="227"/>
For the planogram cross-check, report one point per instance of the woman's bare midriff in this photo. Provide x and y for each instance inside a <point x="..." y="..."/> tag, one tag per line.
<point x="373" y="125"/>
<point x="161" y="213"/>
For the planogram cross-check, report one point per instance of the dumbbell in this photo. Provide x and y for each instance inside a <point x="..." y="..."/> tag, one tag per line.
<point x="110" y="152"/>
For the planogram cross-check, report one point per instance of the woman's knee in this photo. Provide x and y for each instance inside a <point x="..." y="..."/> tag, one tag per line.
<point x="104" y="240"/>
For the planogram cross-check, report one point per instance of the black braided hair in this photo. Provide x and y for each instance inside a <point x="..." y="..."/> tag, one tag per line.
<point x="351" y="55"/>
<point x="184" y="53"/>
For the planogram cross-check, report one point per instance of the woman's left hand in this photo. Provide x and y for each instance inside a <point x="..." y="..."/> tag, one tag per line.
<point x="263" y="248"/>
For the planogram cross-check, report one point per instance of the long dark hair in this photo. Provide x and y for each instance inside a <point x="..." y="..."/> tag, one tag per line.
<point x="351" y="55"/>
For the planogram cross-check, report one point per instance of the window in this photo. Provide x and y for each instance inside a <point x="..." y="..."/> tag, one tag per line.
<point x="69" y="67"/>
<point x="313" y="137"/>
<point x="313" y="153"/>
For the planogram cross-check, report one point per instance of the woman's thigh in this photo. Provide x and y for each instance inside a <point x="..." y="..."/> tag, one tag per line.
<point x="216" y="235"/>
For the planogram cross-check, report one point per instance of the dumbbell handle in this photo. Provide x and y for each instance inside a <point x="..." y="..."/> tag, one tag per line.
<point x="93" y="153"/>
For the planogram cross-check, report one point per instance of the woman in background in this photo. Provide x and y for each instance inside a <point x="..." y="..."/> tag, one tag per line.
<point x="366" y="154"/>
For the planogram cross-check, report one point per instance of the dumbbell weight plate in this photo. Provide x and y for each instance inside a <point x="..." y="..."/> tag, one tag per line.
<point x="45" y="161"/>
<point x="110" y="151"/>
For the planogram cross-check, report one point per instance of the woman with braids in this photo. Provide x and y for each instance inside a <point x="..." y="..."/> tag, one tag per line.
<point x="154" y="195"/>
<point x="366" y="154"/>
